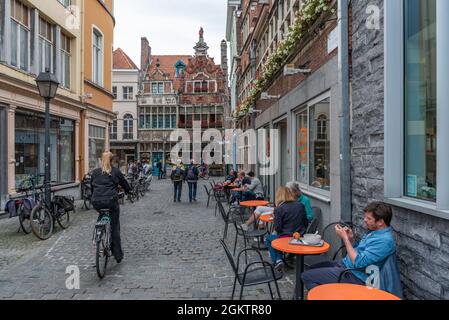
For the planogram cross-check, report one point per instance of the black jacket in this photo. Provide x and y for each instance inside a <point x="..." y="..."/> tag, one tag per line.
<point x="289" y="218"/>
<point x="105" y="186"/>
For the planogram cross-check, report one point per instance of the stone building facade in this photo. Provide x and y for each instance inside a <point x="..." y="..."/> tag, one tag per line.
<point x="384" y="128"/>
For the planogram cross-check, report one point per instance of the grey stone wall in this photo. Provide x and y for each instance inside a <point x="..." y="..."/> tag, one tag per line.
<point x="422" y="240"/>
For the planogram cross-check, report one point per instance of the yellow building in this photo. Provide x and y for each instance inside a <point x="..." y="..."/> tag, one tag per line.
<point x="98" y="30"/>
<point x="36" y="35"/>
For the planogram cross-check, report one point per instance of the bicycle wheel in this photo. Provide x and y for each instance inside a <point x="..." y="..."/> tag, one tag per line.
<point x="24" y="220"/>
<point x="102" y="255"/>
<point x="63" y="219"/>
<point x="41" y="222"/>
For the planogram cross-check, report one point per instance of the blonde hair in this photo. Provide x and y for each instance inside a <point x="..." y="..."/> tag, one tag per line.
<point x="283" y="195"/>
<point x="106" y="166"/>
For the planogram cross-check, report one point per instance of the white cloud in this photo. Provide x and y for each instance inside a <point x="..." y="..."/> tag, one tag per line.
<point x="171" y="26"/>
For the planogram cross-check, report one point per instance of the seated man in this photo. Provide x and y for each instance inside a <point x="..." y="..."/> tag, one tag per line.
<point x="375" y="247"/>
<point x="253" y="190"/>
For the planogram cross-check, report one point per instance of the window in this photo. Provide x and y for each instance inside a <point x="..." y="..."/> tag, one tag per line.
<point x="96" y="145"/>
<point x="128" y="127"/>
<point x="114" y="92"/>
<point x="20" y="35"/>
<point x="65" y="3"/>
<point x="65" y="61"/>
<point x="113" y="130"/>
<point x="313" y="145"/>
<point x="128" y="93"/>
<point x="29" y="147"/>
<point x="45" y="45"/>
<point x="97" y="57"/>
<point x="157" y="87"/>
<point x="420" y="99"/>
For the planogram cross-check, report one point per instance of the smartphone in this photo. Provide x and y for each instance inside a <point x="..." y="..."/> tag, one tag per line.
<point x="344" y="225"/>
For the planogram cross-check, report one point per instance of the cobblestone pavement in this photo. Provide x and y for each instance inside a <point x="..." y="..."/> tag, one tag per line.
<point x="172" y="251"/>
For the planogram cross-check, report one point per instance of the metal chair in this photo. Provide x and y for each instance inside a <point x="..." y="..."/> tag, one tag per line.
<point x="229" y="217"/>
<point x="255" y="273"/>
<point x="313" y="226"/>
<point x="209" y="194"/>
<point x="247" y="235"/>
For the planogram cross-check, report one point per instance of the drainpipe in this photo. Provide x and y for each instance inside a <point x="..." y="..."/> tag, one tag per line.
<point x="345" y="142"/>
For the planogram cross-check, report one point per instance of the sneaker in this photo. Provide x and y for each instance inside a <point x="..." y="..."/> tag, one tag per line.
<point x="279" y="266"/>
<point x="244" y="227"/>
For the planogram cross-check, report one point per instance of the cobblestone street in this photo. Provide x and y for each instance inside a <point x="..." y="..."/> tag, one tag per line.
<point x="172" y="251"/>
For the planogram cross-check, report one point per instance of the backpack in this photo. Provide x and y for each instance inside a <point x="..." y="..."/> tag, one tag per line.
<point x="177" y="175"/>
<point x="191" y="174"/>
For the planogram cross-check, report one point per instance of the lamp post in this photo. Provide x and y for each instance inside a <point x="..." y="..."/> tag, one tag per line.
<point x="47" y="84"/>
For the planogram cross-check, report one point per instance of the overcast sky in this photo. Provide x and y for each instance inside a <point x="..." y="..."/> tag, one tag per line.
<point x="171" y="26"/>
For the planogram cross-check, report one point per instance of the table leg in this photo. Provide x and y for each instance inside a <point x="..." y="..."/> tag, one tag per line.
<point x="299" y="286"/>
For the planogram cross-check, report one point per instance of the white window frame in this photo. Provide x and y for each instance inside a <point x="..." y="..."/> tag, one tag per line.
<point x="394" y="115"/>
<point x="157" y="84"/>
<point x="65" y="54"/>
<point x="20" y="25"/>
<point x="126" y="93"/>
<point x="44" y="45"/>
<point x="97" y="66"/>
<point x="296" y="112"/>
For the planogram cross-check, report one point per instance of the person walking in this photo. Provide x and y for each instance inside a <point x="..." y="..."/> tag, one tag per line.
<point x="159" y="170"/>
<point x="178" y="177"/>
<point x="192" y="180"/>
<point x="105" y="181"/>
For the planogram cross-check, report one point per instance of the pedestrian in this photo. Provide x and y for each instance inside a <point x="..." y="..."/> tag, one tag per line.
<point x="192" y="180"/>
<point x="104" y="187"/>
<point x="178" y="177"/>
<point x="159" y="170"/>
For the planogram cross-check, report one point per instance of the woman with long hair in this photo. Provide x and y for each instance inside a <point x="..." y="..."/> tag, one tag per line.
<point x="105" y="181"/>
<point x="289" y="217"/>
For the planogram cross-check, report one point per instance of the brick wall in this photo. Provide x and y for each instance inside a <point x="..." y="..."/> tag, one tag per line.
<point x="422" y="240"/>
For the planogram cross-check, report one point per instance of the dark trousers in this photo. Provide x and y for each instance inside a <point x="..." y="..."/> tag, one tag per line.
<point x="192" y="190"/>
<point x="327" y="273"/>
<point x="160" y="173"/>
<point x="177" y="190"/>
<point x="116" y="242"/>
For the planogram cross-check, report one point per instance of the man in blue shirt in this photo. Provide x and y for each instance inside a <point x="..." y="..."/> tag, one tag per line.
<point x="375" y="247"/>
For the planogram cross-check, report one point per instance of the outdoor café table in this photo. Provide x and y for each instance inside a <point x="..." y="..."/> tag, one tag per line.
<point x="344" y="291"/>
<point x="300" y="251"/>
<point x="268" y="219"/>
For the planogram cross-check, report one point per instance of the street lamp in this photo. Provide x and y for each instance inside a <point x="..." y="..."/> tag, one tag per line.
<point x="47" y="84"/>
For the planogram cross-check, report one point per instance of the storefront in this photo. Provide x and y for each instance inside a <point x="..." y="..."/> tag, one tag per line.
<point x="123" y="154"/>
<point x="97" y="143"/>
<point x="30" y="151"/>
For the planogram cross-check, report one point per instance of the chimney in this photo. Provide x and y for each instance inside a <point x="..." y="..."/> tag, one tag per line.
<point x="145" y="53"/>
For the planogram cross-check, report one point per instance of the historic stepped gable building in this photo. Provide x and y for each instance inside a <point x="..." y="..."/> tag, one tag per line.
<point x="176" y="91"/>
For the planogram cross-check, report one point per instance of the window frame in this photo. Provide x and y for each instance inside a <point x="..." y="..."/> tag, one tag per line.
<point x="20" y="25"/>
<point x="66" y="52"/>
<point x="296" y="112"/>
<point x="394" y="161"/>
<point x="97" y="66"/>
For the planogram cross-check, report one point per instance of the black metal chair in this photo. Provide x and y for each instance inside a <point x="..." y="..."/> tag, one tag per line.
<point x="209" y="194"/>
<point x="247" y="235"/>
<point x="233" y="214"/>
<point x="337" y="247"/>
<point x="220" y="197"/>
<point x="255" y="273"/>
<point x="313" y="226"/>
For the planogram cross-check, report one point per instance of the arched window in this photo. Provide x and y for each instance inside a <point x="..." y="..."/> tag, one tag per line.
<point x="128" y="127"/>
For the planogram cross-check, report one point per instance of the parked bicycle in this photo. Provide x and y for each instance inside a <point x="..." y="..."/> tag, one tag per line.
<point x="45" y="215"/>
<point x="102" y="241"/>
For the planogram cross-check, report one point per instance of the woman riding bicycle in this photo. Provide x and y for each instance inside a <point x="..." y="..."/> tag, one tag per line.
<point x="105" y="181"/>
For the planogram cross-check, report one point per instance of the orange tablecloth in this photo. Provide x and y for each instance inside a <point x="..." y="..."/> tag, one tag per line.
<point x="267" y="218"/>
<point x="343" y="291"/>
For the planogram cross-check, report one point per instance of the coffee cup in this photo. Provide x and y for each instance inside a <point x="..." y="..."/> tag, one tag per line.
<point x="312" y="239"/>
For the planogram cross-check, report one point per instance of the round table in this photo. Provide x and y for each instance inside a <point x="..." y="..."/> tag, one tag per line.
<point x="299" y="251"/>
<point x="254" y="203"/>
<point x="344" y="291"/>
<point x="267" y="218"/>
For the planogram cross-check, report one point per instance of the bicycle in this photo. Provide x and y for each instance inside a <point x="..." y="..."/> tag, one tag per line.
<point x="45" y="215"/>
<point x="102" y="241"/>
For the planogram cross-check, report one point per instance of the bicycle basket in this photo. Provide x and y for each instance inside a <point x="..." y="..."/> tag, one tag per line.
<point x="64" y="204"/>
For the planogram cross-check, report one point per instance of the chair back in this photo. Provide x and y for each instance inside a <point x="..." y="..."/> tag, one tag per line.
<point x="313" y="226"/>
<point x="230" y="258"/>
<point x="207" y="190"/>
<point x="222" y="212"/>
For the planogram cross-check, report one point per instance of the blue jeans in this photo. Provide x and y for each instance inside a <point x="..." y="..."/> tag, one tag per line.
<point x="192" y="190"/>
<point x="246" y="196"/>
<point x="274" y="254"/>
<point x="178" y="190"/>
<point x="327" y="273"/>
